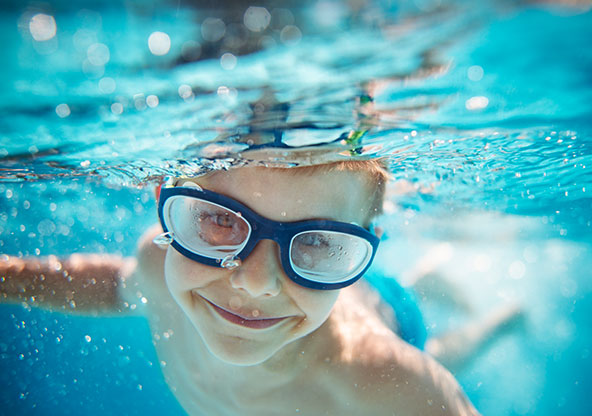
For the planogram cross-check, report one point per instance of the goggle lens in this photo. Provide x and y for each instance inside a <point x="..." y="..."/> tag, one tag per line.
<point x="205" y="228"/>
<point x="329" y="256"/>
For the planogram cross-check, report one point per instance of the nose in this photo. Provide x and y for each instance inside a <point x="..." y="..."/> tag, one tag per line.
<point x="260" y="273"/>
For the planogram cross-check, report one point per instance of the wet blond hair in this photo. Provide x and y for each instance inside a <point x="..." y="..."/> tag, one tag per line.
<point x="375" y="171"/>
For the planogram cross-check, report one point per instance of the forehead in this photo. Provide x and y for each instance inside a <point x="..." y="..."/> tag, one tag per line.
<point x="293" y="194"/>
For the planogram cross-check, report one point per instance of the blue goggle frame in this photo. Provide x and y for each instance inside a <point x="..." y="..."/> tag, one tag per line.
<point x="265" y="229"/>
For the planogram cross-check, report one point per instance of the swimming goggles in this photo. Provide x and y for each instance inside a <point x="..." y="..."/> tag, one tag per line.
<point x="218" y="231"/>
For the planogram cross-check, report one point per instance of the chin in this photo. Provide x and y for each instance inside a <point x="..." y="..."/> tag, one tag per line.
<point x="236" y="351"/>
<point x="231" y="348"/>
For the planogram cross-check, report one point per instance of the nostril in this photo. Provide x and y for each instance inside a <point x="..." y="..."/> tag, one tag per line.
<point x="255" y="283"/>
<point x="274" y="288"/>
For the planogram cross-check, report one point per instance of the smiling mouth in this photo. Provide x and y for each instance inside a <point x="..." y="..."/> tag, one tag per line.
<point x="246" y="322"/>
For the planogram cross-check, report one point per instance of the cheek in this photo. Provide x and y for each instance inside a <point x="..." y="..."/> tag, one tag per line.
<point x="316" y="304"/>
<point x="183" y="274"/>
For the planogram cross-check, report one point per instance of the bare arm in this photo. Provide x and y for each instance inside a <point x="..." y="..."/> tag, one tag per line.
<point x="79" y="283"/>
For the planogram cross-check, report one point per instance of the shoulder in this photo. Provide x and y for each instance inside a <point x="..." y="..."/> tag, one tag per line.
<point x="383" y="374"/>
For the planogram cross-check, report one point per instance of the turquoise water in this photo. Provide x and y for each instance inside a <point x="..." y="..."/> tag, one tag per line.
<point x="484" y="111"/>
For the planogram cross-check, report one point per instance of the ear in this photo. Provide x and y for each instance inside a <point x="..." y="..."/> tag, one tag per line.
<point x="379" y="231"/>
<point x="157" y="191"/>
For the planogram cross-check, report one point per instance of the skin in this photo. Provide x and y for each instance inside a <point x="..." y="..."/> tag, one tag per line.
<point x="260" y="287"/>
<point x="328" y="353"/>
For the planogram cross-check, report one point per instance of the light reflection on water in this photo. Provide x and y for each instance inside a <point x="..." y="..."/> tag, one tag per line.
<point x="486" y="123"/>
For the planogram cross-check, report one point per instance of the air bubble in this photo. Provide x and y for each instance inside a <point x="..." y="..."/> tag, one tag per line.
<point x="62" y="110"/>
<point x="98" y="54"/>
<point x="152" y="101"/>
<point x="228" y="61"/>
<point x="256" y="19"/>
<point x="290" y="35"/>
<point x="213" y="29"/>
<point x="159" y="43"/>
<point x="42" y="27"/>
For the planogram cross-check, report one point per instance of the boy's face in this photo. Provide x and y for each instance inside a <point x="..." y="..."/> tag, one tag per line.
<point x="215" y="299"/>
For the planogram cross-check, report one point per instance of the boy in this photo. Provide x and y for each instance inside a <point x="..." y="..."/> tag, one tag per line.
<point x="278" y="331"/>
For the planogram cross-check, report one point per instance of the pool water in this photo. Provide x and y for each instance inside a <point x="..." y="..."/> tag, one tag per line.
<point x="483" y="110"/>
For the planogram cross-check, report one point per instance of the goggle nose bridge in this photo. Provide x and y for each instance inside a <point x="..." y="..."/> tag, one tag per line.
<point x="263" y="231"/>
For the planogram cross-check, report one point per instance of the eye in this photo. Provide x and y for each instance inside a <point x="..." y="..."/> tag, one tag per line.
<point x="313" y="240"/>
<point x="222" y="228"/>
<point x="224" y="220"/>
